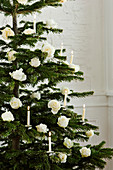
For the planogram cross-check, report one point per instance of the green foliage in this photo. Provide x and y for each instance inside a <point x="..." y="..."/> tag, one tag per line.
<point x="30" y="151"/>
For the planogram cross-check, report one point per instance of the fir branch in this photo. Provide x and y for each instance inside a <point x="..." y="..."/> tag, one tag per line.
<point x="82" y="94"/>
<point x="37" y="6"/>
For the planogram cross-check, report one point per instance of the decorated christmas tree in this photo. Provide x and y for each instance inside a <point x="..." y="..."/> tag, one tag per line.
<point x="39" y="130"/>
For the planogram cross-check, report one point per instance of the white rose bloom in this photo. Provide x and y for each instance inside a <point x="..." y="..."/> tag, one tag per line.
<point x="7" y="32"/>
<point x="42" y="128"/>
<point x="63" y="157"/>
<point x="18" y="75"/>
<point x="54" y="111"/>
<point x="75" y="67"/>
<point x="7" y="116"/>
<point x="36" y="95"/>
<point x="51" y="23"/>
<point x="22" y="1"/>
<point x="28" y="31"/>
<point x="35" y="62"/>
<point x="68" y="143"/>
<point x="90" y="133"/>
<point x="85" y="152"/>
<point x="65" y="90"/>
<point x="11" y="56"/>
<point x="49" y="49"/>
<point x="54" y="105"/>
<point x="15" y="103"/>
<point x="63" y="121"/>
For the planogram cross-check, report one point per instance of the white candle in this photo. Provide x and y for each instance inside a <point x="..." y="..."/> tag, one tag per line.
<point x="65" y="97"/>
<point x="83" y="115"/>
<point x="34" y="23"/>
<point x="61" y="49"/>
<point x="49" y="141"/>
<point x="28" y="116"/>
<point x="71" y="60"/>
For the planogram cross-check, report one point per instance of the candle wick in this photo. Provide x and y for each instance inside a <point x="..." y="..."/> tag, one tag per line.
<point x="28" y="108"/>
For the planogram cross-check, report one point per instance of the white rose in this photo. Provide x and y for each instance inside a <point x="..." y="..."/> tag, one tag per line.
<point x="51" y="23"/>
<point x="48" y="48"/>
<point x="85" y="152"/>
<point x="54" y="105"/>
<point x="63" y="121"/>
<point x="28" y="31"/>
<point x="42" y="128"/>
<point x="7" y="32"/>
<point x="75" y="67"/>
<point x="22" y="1"/>
<point x="15" y="103"/>
<point x="90" y="133"/>
<point x="62" y="157"/>
<point x="65" y="90"/>
<point x="18" y="75"/>
<point x="36" y="95"/>
<point x="68" y="143"/>
<point x="11" y="56"/>
<point x="35" y="62"/>
<point x="7" y="116"/>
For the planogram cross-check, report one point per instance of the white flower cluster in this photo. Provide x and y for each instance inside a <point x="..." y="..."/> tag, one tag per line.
<point x="7" y="116"/>
<point x="42" y="128"/>
<point x="36" y="95"/>
<point x="11" y="55"/>
<point x="63" y="157"/>
<point x="90" y="133"/>
<point x="68" y="143"/>
<point x="51" y="23"/>
<point x="49" y="49"/>
<point x="18" y="75"/>
<point x="85" y="152"/>
<point x="54" y="105"/>
<point x="28" y="31"/>
<point x="15" y="103"/>
<point x="22" y="1"/>
<point x="7" y="32"/>
<point x="63" y="121"/>
<point x="35" y="62"/>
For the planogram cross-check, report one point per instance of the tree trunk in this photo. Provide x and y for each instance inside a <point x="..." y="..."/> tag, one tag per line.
<point x="15" y="143"/>
<point x="16" y="90"/>
<point x="16" y="139"/>
<point x="15" y="29"/>
<point x="15" y="20"/>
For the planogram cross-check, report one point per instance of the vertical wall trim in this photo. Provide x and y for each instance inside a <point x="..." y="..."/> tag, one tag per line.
<point x="108" y="55"/>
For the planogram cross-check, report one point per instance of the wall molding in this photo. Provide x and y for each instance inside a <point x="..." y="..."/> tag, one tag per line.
<point x="109" y="93"/>
<point x="95" y="101"/>
<point x="91" y="101"/>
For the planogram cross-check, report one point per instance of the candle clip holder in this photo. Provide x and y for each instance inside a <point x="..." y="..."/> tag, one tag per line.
<point x="28" y="126"/>
<point x="63" y="107"/>
<point x="50" y="151"/>
<point x="83" y="123"/>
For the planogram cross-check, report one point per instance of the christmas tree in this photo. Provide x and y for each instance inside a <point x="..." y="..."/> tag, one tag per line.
<point x="39" y="131"/>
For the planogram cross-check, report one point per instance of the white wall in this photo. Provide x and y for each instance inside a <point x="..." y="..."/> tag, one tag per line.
<point x="88" y="31"/>
<point x="108" y="11"/>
